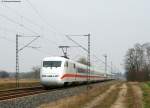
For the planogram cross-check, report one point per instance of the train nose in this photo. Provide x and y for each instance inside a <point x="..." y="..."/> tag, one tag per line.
<point x="50" y="80"/>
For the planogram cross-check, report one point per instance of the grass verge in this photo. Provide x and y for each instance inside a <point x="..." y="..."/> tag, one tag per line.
<point x="146" y="94"/>
<point x="79" y="100"/>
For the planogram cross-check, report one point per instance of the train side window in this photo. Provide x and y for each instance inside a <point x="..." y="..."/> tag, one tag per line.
<point x="74" y="66"/>
<point x="66" y="64"/>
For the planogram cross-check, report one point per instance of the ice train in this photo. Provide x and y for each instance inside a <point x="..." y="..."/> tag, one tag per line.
<point x="59" y="71"/>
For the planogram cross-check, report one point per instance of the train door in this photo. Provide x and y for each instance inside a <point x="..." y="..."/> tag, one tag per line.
<point x="75" y="71"/>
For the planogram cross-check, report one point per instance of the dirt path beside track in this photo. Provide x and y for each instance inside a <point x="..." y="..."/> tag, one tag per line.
<point x="116" y="95"/>
<point x="99" y="98"/>
<point x="120" y="102"/>
<point x="137" y="95"/>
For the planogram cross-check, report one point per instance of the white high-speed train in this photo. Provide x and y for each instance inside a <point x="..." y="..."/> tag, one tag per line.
<point x="58" y="71"/>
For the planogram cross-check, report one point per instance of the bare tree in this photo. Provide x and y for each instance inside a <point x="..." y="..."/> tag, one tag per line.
<point x="36" y="72"/>
<point x="137" y="62"/>
<point x="83" y="60"/>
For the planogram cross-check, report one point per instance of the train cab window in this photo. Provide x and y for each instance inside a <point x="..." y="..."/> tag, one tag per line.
<point x="51" y="63"/>
<point x="66" y="64"/>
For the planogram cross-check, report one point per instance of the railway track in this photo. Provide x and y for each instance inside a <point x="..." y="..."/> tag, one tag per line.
<point x="21" y="92"/>
<point x="15" y="93"/>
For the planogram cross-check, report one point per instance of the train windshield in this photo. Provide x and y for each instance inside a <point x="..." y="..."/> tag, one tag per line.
<point x="51" y="63"/>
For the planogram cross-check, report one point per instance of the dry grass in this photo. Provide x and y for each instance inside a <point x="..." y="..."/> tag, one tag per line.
<point x="133" y="98"/>
<point x="110" y="99"/>
<point x="79" y="100"/>
<point x="11" y="83"/>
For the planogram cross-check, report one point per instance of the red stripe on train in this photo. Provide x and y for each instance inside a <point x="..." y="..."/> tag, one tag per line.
<point x="80" y="76"/>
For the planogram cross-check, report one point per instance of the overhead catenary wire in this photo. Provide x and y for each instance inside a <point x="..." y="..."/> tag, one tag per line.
<point x="14" y="42"/>
<point x="82" y="47"/>
<point x="54" y="30"/>
<point x="44" y="20"/>
<point x="93" y="55"/>
<point x="7" y="30"/>
<point x="60" y="32"/>
<point x="15" y="22"/>
<point x="24" y="17"/>
<point x="7" y="39"/>
<point x="31" y="22"/>
<point x="29" y="43"/>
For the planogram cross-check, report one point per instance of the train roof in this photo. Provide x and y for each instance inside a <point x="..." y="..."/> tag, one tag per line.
<point x="54" y="58"/>
<point x="61" y="59"/>
<point x="64" y="59"/>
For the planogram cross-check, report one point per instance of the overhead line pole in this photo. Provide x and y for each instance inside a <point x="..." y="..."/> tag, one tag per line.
<point x="105" y="64"/>
<point x="17" y="62"/>
<point x="87" y="50"/>
<point x="17" y="55"/>
<point x="111" y="69"/>
<point x="89" y="58"/>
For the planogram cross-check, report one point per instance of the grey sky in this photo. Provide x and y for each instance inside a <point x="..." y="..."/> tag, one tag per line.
<point x="115" y="26"/>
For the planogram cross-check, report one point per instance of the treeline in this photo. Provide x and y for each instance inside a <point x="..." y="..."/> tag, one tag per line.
<point x="83" y="60"/>
<point x="4" y="74"/>
<point x="137" y="62"/>
<point x="33" y="74"/>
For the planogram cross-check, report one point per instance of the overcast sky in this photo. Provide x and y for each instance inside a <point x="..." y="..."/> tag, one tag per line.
<point x="114" y="25"/>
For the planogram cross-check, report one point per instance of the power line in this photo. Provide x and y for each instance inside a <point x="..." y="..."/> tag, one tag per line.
<point x="13" y="21"/>
<point x="59" y="32"/>
<point x="83" y="47"/>
<point x="77" y="43"/>
<point x="27" y="19"/>
<point x="7" y="30"/>
<point x="26" y="28"/>
<point x="30" y="21"/>
<point x="87" y="51"/>
<point x="43" y="19"/>
<point x="23" y="44"/>
<point x="3" y="37"/>
<point x="29" y="42"/>
<point x="54" y="30"/>
<point x="12" y="41"/>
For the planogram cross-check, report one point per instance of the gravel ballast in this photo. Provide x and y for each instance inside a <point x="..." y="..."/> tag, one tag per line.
<point x="34" y="101"/>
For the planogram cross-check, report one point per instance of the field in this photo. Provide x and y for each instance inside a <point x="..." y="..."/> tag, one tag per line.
<point x="114" y="95"/>
<point x="11" y="83"/>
